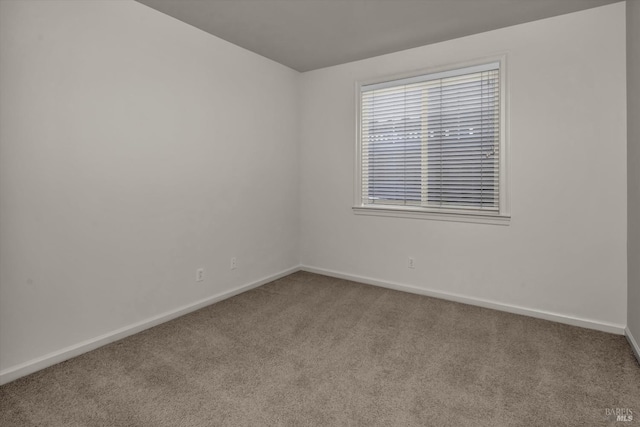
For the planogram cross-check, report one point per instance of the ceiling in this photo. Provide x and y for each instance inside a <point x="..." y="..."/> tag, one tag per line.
<point x="310" y="34"/>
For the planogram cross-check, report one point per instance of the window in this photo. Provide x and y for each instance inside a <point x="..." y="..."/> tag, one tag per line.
<point x="433" y="144"/>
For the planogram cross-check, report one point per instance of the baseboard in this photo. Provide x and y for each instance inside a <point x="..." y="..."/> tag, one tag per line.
<point x="555" y="317"/>
<point x="633" y="343"/>
<point x="50" y="359"/>
<point x="15" y="372"/>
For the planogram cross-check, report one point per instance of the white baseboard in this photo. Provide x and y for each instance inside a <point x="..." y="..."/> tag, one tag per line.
<point x="633" y="343"/>
<point x="50" y="359"/>
<point x="555" y="317"/>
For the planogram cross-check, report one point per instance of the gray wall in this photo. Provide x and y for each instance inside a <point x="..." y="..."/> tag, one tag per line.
<point x="633" y="167"/>
<point x="563" y="256"/>
<point x="135" y="149"/>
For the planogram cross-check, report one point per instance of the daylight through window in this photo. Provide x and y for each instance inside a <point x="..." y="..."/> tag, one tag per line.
<point x="432" y="141"/>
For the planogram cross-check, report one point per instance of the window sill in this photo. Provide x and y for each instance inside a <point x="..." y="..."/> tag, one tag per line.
<point x="456" y="216"/>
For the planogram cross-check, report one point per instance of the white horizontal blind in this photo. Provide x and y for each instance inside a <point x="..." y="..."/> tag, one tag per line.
<point x="432" y="141"/>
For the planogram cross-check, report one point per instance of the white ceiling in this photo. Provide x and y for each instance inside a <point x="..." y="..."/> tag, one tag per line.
<point x="310" y="34"/>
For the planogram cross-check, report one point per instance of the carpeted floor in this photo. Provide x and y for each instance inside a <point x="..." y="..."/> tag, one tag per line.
<point x="313" y="350"/>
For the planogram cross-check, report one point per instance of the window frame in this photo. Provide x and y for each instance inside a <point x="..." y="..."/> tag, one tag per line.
<point x="500" y="217"/>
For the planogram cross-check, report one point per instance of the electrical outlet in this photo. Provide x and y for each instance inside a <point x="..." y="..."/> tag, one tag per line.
<point x="411" y="263"/>
<point x="200" y="275"/>
<point x="234" y="263"/>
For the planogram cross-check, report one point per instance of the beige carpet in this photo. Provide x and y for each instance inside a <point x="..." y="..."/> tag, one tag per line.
<point x="313" y="350"/>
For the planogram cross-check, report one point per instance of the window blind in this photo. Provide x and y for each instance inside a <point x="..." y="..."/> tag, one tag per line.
<point x="432" y="141"/>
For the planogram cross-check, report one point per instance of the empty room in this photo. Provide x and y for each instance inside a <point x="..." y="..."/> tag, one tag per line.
<point x="319" y="212"/>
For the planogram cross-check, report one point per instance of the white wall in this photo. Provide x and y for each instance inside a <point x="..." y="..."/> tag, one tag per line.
<point x="134" y="149"/>
<point x="633" y="165"/>
<point x="565" y="249"/>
